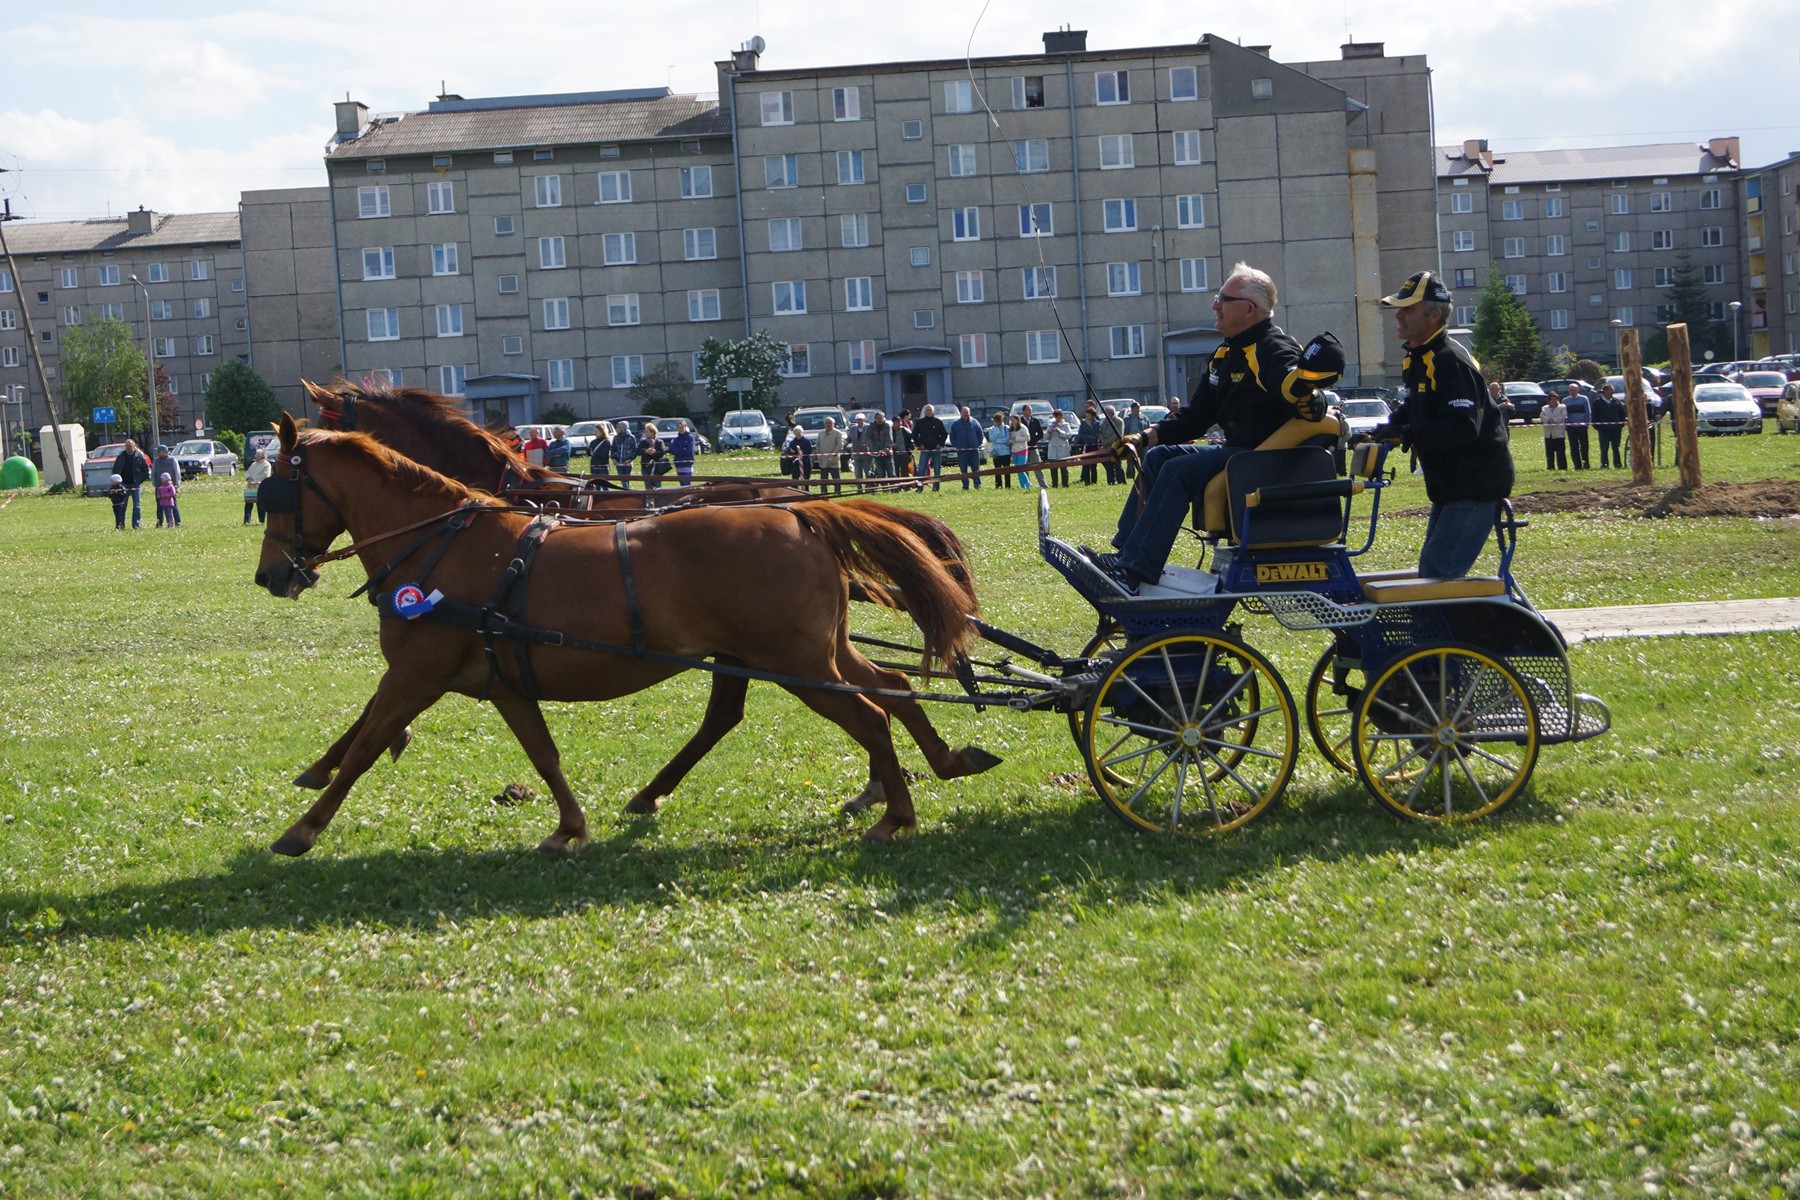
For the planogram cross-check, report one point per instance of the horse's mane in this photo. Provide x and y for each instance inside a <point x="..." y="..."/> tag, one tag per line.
<point x="437" y="418"/>
<point x="411" y="475"/>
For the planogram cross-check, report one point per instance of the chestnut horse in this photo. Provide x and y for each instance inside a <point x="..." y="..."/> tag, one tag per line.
<point x="645" y="595"/>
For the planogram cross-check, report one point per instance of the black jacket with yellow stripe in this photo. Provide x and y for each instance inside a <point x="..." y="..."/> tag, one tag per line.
<point x="1446" y="415"/>
<point x="1252" y="386"/>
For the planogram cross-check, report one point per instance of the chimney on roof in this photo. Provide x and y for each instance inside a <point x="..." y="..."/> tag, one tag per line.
<point x="1265" y="51"/>
<point x="350" y="117"/>
<point x="1364" y="50"/>
<point x="1066" y="41"/>
<point x="1474" y="147"/>
<point x="141" y="221"/>
<point x="1723" y="148"/>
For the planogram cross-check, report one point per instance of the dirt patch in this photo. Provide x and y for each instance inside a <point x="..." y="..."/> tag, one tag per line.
<point x="1770" y="499"/>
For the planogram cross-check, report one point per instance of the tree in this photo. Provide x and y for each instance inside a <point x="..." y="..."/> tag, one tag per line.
<point x="663" y="392"/>
<point x="239" y="400"/>
<point x="1506" y="338"/>
<point x="102" y="367"/>
<point x="758" y="358"/>
<point x="1689" y="303"/>
<point x="1586" y="370"/>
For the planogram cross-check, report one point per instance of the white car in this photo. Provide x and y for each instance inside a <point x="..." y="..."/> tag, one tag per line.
<point x="747" y="429"/>
<point x="1726" y="408"/>
<point x="203" y="456"/>
<point x="1362" y="416"/>
<point x="581" y="436"/>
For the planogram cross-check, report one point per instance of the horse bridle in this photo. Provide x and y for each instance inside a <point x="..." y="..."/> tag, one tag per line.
<point x="281" y="494"/>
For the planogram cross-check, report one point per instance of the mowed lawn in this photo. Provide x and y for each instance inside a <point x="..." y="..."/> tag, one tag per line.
<point x="1593" y="994"/>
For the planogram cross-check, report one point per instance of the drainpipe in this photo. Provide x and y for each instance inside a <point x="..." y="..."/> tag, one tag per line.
<point x="737" y="187"/>
<point x="337" y="269"/>
<point x="1087" y="360"/>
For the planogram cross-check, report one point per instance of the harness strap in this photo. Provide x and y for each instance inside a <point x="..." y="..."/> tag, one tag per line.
<point x="631" y="600"/>
<point x="455" y="523"/>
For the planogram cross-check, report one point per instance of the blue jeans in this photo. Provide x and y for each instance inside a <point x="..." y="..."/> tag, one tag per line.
<point x="931" y="465"/>
<point x="1173" y="478"/>
<point x="1454" y="535"/>
<point x="136" y="511"/>
<point x="968" y="462"/>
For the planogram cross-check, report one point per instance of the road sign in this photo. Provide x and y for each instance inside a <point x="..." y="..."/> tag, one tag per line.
<point x="199" y="425"/>
<point x="737" y="385"/>
<point x="104" y="416"/>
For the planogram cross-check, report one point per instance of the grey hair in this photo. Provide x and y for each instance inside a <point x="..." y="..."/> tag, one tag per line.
<point x="1258" y="284"/>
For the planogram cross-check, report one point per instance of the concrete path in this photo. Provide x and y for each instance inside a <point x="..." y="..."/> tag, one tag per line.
<point x="1670" y="620"/>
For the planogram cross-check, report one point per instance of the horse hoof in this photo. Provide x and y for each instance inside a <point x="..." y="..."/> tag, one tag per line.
<point x="291" y="846"/>
<point x="978" y="760"/>
<point x="642" y="805"/>
<point x="886" y="831"/>
<point x="311" y="780"/>
<point x="398" y="746"/>
<point x="873" y="793"/>
<point x="558" y="844"/>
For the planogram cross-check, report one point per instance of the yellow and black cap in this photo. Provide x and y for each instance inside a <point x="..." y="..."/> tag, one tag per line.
<point x="1421" y="287"/>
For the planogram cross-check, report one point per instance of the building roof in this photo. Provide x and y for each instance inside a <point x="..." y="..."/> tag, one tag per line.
<point x="114" y="233"/>
<point x="1599" y="162"/>
<point x="513" y="122"/>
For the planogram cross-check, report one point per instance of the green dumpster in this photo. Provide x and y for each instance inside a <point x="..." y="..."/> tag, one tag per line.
<point x="18" y="472"/>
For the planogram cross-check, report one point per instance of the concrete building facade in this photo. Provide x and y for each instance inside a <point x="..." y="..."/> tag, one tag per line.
<point x="1769" y="322"/>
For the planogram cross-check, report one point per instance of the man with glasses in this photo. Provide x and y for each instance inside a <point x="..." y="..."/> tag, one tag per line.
<point x="1255" y="382"/>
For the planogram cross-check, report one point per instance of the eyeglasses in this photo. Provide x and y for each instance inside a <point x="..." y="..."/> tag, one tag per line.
<point x="1221" y="298"/>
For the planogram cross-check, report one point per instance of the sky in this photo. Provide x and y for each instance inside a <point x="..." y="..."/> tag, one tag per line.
<point x="106" y="106"/>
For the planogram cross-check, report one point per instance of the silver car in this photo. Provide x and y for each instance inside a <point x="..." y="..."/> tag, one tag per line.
<point x="1726" y="408"/>
<point x="203" y="456"/>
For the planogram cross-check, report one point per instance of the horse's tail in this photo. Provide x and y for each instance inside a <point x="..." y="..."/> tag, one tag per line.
<point x="938" y="537"/>
<point x="878" y="546"/>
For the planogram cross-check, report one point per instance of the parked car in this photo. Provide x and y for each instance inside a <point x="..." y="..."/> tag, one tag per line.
<point x="1561" y="386"/>
<point x="1361" y="416"/>
<point x="1787" y="409"/>
<point x="1652" y="398"/>
<point x="96" y="468"/>
<point x="1364" y="392"/>
<point x="746" y="429"/>
<point x="582" y="435"/>
<point x="203" y="456"/>
<point x="665" y="428"/>
<point x="1726" y="408"/>
<point x="813" y="419"/>
<point x="1043" y="409"/>
<point x="527" y="432"/>
<point x="1525" y="400"/>
<point x="266" y="440"/>
<point x="1764" y="386"/>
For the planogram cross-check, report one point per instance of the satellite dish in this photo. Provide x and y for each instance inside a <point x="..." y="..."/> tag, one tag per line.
<point x="757" y="45"/>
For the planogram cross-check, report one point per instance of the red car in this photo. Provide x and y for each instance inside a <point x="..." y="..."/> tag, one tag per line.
<point x="1766" y="386"/>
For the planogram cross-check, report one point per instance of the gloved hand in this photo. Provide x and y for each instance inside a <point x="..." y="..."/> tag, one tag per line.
<point x="1125" y="445"/>
<point x="1311" y="407"/>
<point x="1321" y="365"/>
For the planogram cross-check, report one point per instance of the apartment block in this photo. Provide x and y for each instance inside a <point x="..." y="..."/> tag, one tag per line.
<point x="1590" y="239"/>
<point x="188" y="298"/>
<point x="290" y="269"/>
<point x="1770" y="318"/>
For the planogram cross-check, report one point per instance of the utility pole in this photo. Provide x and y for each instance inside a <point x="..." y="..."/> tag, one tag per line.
<point x="37" y="354"/>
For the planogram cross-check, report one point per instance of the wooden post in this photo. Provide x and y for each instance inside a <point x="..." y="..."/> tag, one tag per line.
<point x="1681" y="407"/>
<point x="1637" y="405"/>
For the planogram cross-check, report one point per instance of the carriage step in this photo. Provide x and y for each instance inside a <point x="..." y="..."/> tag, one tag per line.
<point x="1409" y="591"/>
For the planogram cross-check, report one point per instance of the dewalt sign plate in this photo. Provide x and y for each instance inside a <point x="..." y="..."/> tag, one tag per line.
<point x="1296" y="572"/>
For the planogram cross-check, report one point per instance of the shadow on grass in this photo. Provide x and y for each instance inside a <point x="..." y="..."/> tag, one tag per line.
<point x="1008" y="864"/>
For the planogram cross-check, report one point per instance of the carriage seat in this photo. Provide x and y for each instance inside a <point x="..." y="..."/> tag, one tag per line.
<point x="1409" y="590"/>
<point x="1214" y="515"/>
<point x="1288" y="498"/>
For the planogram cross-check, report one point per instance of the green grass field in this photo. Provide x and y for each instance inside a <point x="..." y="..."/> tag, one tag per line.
<point x="1594" y="994"/>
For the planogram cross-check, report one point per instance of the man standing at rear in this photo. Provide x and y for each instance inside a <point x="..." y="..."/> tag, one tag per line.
<point x="132" y="466"/>
<point x="1446" y="416"/>
<point x="967" y="438"/>
<point x="929" y="435"/>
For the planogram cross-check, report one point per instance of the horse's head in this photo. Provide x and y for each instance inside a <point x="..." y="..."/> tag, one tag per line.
<point x="300" y="520"/>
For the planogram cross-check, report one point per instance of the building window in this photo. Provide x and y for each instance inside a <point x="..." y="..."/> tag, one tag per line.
<point x="384" y="324"/>
<point x="698" y="245"/>
<point x="921" y="256"/>
<point x="1461" y="202"/>
<point x="627" y="369"/>
<point x="202" y="308"/>
<point x="623" y="309"/>
<point x="1555" y="281"/>
<point x="509" y="285"/>
<point x="1625" y="315"/>
<point x="777" y="108"/>
<point x="552" y="253"/>
<point x="615" y="187"/>
<point x="850" y="166"/>
<point x="548" y="190"/>
<point x="1464" y="277"/>
<point x="165" y="347"/>
<point x="862" y="358"/>
<point x="543" y="155"/>
<point x="1112" y="87"/>
<point x="1038" y="283"/>
<point x="1556" y="206"/>
<point x="974" y="349"/>
<point x="1124" y="279"/>
<point x="1032" y="156"/>
<point x="6" y="281"/>
<point x="1662" y="277"/>
<point x="443" y="259"/>
<point x="1262" y="88"/>
<point x="1622" y="279"/>
<point x="9" y="356"/>
<point x="440" y="197"/>
<point x="789" y="296"/>
<point x="388" y="376"/>
<point x="618" y="249"/>
<point x="1516" y="283"/>
<point x="199" y="269"/>
<point x="1619" y="204"/>
<point x="556" y="313"/>
<point x="799" y="361"/>
<point x="1512" y="210"/>
<point x="1661" y="202"/>
<point x="961" y="159"/>
<point x="162" y="310"/>
<point x="1120" y="215"/>
<point x="503" y="226"/>
<point x="1128" y="341"/>
<point x="971" y="287"/>
<point x="158" y="273"/>
<point x="785" y="235"/>
<point x="1462" y="239"/>
<point x="1513" y="247"/>
<point x="915" y="193"/>
<point x="109" y="276"/>
<point x="959" y="96"/>
<point x="1042" y="346"/>
<point x="1621" y="242"/>
<point x="1662" y="239"/>
<point x="1184" y="83"/>
<point x="72" y="315"/>
<point x="1188" y="148"/>
<point x="512" y="345"/>
<point x="1712" y="273"/>
<point x="1709" y="198"/>
<point x="1556" y="245"/>
<point x="965" y="225"/>
<point x="912" y="131"/>
<point x="373" y="202"/>
<point x="859" y="294"/>
<point x="696" y="183"/>
<point x="1712" y="235"/>
<point x="559" y="375"/>
<point x="453" y="380"/>
<point x="781" y="170"/>
<point x="1193" y="275"/>
<point x="1028" y="91"/>
<point x="853" y="229"/>
<point x="1116" y="152"/>
<point x="703" y="304"/>
<point x="1596" y="300"/>
<point x="9" y="318"/>
<point x="378" y="262"/>
<point x="1559" y="318"/>
<point x="846" y="104"/>
<point x="1190" y="211"/>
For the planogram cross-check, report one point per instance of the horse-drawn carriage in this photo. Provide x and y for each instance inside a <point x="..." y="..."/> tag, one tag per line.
<point x="1436" y="693"/>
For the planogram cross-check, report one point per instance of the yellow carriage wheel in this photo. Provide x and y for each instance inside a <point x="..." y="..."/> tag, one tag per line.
<point x="1445" y="733"/>
<point x="1192" y="733"/>
<point x="1331" y="718"/>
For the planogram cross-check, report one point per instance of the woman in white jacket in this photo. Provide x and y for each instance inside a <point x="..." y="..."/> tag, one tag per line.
<point x="254" y="474"/>
<point x="1058" y="439"/>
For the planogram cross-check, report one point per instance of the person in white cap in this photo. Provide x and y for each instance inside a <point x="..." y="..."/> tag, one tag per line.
<point x="120" y="495"/>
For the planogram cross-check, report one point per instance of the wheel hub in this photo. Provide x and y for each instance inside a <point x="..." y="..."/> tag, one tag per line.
<point x="1446" y="736"/>
<point x="1191" y="736"/>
